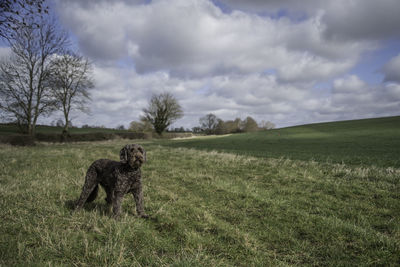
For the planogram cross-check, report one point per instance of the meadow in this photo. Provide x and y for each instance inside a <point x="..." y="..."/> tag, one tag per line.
<point x="214" y="201"/>
<point x="358" y="142"/>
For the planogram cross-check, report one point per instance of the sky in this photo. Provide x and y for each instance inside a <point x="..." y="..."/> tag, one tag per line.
<point x="290" y="62"/>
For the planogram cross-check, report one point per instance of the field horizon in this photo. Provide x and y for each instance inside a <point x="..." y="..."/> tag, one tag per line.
<point x="11" y="128"/>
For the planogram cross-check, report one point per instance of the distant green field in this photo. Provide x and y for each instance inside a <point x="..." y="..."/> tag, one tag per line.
<point x="359" y="142"/>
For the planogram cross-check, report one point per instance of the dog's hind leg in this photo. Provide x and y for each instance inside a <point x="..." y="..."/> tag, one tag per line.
<point x="109" y="199"/>
<point x="90" y="188"/>
<point x="93" y="195"/>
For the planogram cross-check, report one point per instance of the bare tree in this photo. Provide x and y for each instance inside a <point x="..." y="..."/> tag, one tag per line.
<point x="162" y="111"/>
<point x="14" y="14"/>
<point x="70" y="81"/>
<point x="209" y="123"/>
<point x="24" y="88"/>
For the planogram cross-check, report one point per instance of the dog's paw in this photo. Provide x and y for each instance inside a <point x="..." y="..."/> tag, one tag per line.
<point x="116" y="217"/>
<point x="144" y="216"/>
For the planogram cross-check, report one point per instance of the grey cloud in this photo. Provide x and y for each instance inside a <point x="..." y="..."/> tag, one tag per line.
<point x="344" y="20"/>
<point x="273" y="6"/>
<point x="391" y="70"/>
<point x="90" y="4"/>
<point x="4" y="52"/>
<point x="96" y="27"/>
<point x="362" y="19"/>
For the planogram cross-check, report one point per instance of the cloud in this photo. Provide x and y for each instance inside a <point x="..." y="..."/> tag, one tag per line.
<point x="194" y="38"/>
<point x="349" y="85"/>
<point x="362" y="19"/>
<point x="273" y="6"/>
<point x="391" y="70"/>
<point x="344" y="20"/>
<point x="97" y="27"/>
<point x="4" y="52"/>
<point x="356" y="99"/>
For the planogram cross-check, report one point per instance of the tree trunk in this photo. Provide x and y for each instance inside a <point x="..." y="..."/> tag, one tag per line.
<point x="30" y="130"/>
<point x="66" y="115"/>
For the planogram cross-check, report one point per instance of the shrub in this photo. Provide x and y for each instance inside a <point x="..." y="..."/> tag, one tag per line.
<point x="17" y="140"/>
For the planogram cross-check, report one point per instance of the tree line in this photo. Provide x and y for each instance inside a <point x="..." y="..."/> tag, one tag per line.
<point x="211" y="124"/>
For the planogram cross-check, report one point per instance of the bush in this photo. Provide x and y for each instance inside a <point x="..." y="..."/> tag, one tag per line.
<point x="54" y="138"/>
<point x="132" y="135"/>
<point x="18" y="140"/>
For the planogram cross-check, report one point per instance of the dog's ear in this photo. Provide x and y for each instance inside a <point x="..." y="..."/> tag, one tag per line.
<point x="123" y="154"/>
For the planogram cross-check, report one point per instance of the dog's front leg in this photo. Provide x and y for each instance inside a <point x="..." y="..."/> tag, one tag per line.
<point x="116" y="204"/>
<point x="138" y="196"/>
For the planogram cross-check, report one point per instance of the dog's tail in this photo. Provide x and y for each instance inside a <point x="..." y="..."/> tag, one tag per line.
<point x="93" y="195"/>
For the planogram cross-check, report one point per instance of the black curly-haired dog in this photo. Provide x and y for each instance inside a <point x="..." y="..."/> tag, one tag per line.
<point x="117" y="179"/>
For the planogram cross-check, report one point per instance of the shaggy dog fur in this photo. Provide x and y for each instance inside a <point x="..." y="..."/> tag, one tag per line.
<point x="117" y="179"/>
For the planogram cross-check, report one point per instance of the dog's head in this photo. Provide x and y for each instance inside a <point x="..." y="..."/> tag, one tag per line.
<point x="133" y="154"/>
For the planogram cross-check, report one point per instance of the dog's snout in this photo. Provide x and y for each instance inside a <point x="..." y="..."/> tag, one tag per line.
<point x="138" y="157"/>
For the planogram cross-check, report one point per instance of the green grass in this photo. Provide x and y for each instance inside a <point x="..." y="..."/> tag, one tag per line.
<point x="361" y="142"/>
<point x="208" y="209"/>
<point x="322" y="194"/>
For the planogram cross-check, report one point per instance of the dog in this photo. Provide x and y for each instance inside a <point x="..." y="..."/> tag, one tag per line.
<point x="117" y="178"/>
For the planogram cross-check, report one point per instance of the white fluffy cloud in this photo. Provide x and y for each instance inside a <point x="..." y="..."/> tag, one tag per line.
<point x="194" y="38"/>
<point x="261" y="58"/>
<point x="354" y="98"/>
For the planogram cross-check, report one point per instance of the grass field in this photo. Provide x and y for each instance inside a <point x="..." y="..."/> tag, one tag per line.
<point x="225" y="203"/>
<point x="361" y="142"/>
